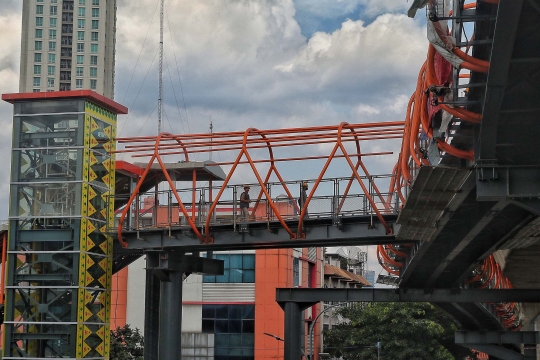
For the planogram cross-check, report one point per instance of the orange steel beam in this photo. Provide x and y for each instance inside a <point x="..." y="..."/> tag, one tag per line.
<point x="257" y="139"/>
<point x="283" y="141"/>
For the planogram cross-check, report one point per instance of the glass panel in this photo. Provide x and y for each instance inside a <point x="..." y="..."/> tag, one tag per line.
<point x="248" y="340"/>
<point x="48" y="131"/>
<point x="249" y="261"/>
<point x="42" y="199"/>
<point x="222" y="312"/>
<point x="248" y="311"/>
<point x="235" y="311"/>
<point x="248" y="326"/>
<point x="208" y="326"/>
<point x="248" y="276"/>
<point x="235" y="261"/>
<point x="208" y="311"/>
<point x="44" y="107"/>
<point x="53" y="164"/>
<point x="225" y="258"/>
<point x="235" y="275"/>
<point x="209" y="279"/>
<point x="222" y="326"/>
<point x="235" y="326"/>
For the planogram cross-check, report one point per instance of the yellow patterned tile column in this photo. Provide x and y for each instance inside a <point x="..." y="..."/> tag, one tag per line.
<point x="96" y="246"/>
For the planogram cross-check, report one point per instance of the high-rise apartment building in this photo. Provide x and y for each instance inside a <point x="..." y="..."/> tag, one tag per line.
<point x="68" y="45"/>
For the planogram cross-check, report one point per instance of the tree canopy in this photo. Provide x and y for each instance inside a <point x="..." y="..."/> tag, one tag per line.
<point x="126" y="344"/>
<point x="405" y="331"/>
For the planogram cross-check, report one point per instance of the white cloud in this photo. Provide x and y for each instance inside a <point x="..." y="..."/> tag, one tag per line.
<point x="364" y="109"/>
<point x="245" y="63"/>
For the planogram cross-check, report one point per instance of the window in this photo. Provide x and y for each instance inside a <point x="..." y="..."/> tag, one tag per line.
<point x="80" y="23"/>
<point x="50" y="82"/>
<point x="52" y="58"/>
<point x="38" y="45"/>
<point x="39" y="1"/>
<point x="79" y="83"/>
<point x="95" y="36"/>
<point x="54" y="1"/>
<point x="93" y="60"/>
<point x="52" y="22"/>
<point x="54" y="10"/>
<point x="233" y="327"/>
<point x="80" y="35"/>
<point x="93" y="84"/>
<point x="37" y="69"/>
<point x="37" y="81"/>
<point x="39" y="21"/>
<point x="95" y="24"/>
<point x="296" y="272"/>
<point x="94" y="48"/>
<point x="82" y="12"/>
<point x="52" y="45"/>
<point x="82" y="2"/>
<point x="93" y="72"/>
<point x="239" y="268"/>
<point x="39" y="9"/>
<point x="80" y="47"/>
<point x="80" y="59"/>
<point x="80" y="71"/>
<point x="95" y="12"/>
<point x="50" y="70"/>
<point x="95" y="2"/>
<point x="52" y="34"/>
<point x="37" y="57"/>
<point x="39" y="33"/>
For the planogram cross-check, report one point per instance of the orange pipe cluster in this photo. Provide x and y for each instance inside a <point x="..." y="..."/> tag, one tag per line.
<point x="164" y="144"/>
<point x="418" y="122"/>
<point x="489" y="275"/>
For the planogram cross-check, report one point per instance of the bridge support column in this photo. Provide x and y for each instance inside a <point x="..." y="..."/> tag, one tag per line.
<point x="170" y="317"/>
<point x="151" y="310"/>
<point x="293" y="321"/>
<point x="163" y="310"/>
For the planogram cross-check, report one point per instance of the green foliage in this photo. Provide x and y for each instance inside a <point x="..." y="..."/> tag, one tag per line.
<point x="406" y="331"/>
<point x="127" y="344"/>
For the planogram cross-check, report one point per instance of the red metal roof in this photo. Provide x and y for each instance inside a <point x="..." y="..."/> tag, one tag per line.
<point x="93" y="96"/>
<point x="128" y="168"/>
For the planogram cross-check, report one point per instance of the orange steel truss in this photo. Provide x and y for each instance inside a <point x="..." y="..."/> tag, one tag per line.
<point x="166" y="144"/>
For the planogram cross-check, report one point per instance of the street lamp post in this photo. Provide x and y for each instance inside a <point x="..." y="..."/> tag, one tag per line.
<point x="312" y="325"/>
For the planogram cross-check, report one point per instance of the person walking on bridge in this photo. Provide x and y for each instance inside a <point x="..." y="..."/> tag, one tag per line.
<point x="244" y="203"/>
<point x="303" y="196"/>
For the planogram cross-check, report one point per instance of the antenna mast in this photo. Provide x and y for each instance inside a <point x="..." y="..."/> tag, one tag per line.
<point x="211" y="137"/>
<point x="160" y="66"/>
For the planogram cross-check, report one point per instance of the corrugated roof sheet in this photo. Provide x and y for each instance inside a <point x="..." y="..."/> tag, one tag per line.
<point x="331" y="270"/>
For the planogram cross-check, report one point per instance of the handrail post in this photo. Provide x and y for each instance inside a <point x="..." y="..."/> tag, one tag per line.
<point x="235" y="207"/>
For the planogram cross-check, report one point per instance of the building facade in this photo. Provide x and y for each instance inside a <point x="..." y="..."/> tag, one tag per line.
<point x="233" y="316"/>
<point x="68" y="45"/>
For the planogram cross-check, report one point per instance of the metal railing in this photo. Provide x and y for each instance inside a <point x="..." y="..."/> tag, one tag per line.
<point x="332" y="199"/>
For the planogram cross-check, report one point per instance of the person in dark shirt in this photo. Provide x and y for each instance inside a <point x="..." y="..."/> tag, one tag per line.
<point x="244" y="203"/>
<point x="303" y="196"/>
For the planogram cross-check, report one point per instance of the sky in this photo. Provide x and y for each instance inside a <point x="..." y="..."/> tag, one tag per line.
<point x="249" y="63"/>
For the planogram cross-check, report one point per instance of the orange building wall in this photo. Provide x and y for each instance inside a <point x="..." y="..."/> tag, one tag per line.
<point x="119" y="299"/>
<point x="274" y="268"/>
